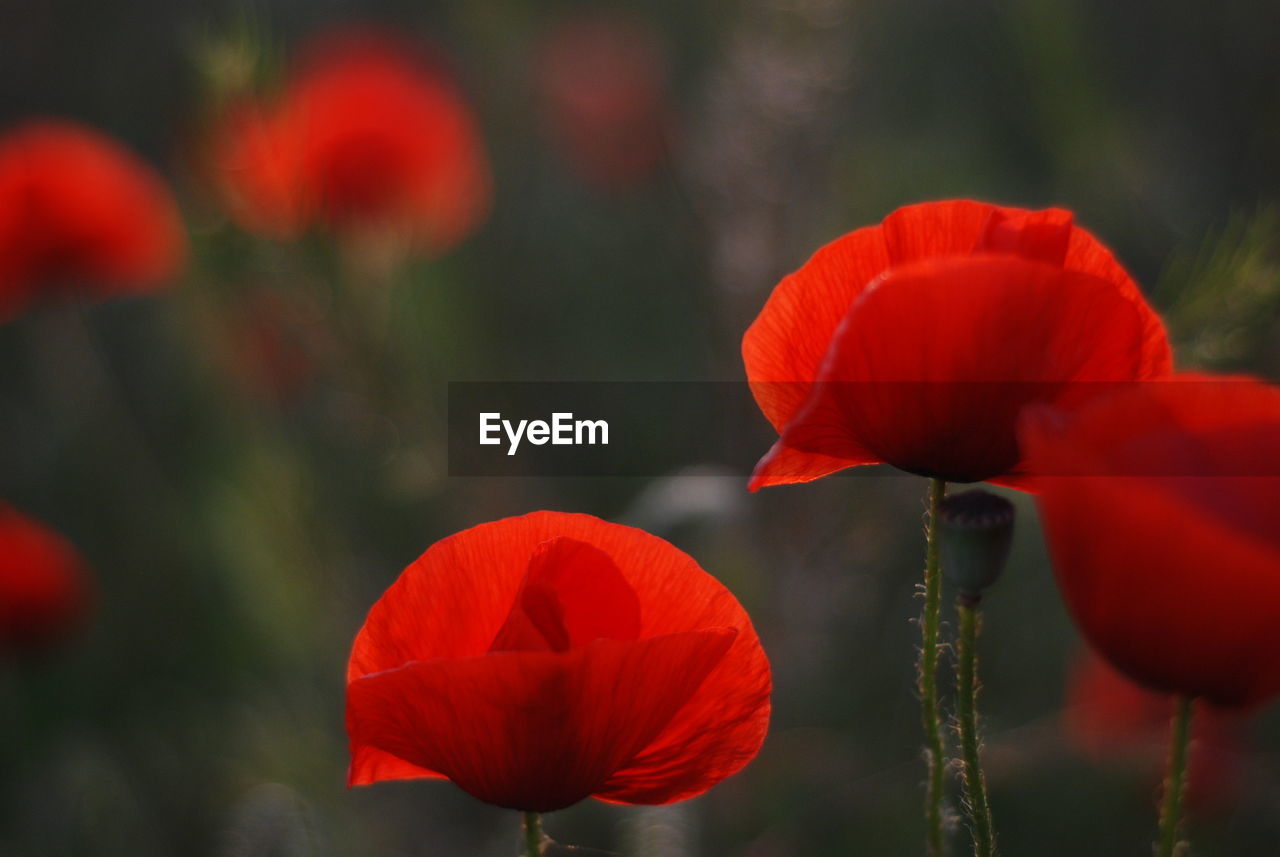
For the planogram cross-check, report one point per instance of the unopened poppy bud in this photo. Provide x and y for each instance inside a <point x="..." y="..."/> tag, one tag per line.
<point x="976" y="529"/>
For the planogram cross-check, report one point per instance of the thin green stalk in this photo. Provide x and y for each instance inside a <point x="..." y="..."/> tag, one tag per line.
<point x="1175" y="782"/>
<point x="535" y="842"/>
<point x="927" y="676"/>
<point x="977" y="804"/>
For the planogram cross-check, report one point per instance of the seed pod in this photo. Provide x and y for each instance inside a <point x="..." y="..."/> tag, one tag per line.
<point x="976" y="530"/>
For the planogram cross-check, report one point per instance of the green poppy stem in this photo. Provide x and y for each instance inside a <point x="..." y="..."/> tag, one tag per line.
<point x="535" y="841"/>
<point x="927" y="676"/>
<point x="1175" y="782"/>
<point x="976" y="802"/>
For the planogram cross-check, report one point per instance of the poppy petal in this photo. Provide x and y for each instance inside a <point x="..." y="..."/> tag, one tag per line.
<point x="478" y="572"/>
<point x="713" y="736"/>
<point x="1178" y="600"/>
<point x="534" y="731"/>
<point x="723" y="725"/>
<point x="371" y="765"/>
<point x="475" y="573"/>
<point x="1088" y="255"/>
<point x="1039" y="235"/>
<point x="1169" y="569"/>
<point x="786" y="465"/>
<point x="573" y="594"/>
<point x="933" y="364"/>
<point x="931" y="230"/>
<point x="784" y="346"/>
<point x="725" y="721"/>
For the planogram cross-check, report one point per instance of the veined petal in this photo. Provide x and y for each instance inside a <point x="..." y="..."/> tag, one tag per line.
<point x="786" y="465"/>
<point x="933" y="230"/>
<point x="784" y="346"/>
<point x="572" y="595"/>
<point x="473" y="579"/>
<point x="533" y="731"/>
<point x="932" y="366"/>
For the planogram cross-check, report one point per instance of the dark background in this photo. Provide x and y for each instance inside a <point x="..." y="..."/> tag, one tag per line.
<point x="238" y="534"/>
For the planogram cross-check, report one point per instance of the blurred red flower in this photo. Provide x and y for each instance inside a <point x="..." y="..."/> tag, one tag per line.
<point x="1116" y="722"/>
<point x="80" y="214"/>
<point x="364" y="135"/>
<point x="1164" y="531"/>
<point x="603" y="79"/>
<point x="917" y="342"/>
<point x="539" y="660"/>
<point x="44" y="592"/>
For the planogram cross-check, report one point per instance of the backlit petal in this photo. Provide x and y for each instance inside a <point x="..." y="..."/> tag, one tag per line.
<point x="933" y="364"/>
<point x="572" y="595"/>
<point x="534" y="731"/>
<point x="784" y="346"/>
<point x="453" y="602"/>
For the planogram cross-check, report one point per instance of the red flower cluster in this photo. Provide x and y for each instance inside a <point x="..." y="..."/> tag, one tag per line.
<point x="1164" y="529"/>
<point x="79" y="214"/>
<point x="919" y="342"/>
<point x="364" y="134"/>
<point x="43" y="584"/>
<point x="539" y="660"/>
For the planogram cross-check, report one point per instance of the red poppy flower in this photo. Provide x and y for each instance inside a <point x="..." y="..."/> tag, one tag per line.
<point x="79" y="211"/>
<point x="43" y="589"/>
<point x="539" y="660"/>
<point x="363" y="135"/>
<point x="917" y="342"/>
<point x="1165" y="547"/>
<point x="603" y="82"/>
<point x="1114" y="721"/>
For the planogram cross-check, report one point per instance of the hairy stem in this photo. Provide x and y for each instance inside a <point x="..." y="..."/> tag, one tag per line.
<point x="535" y="842"/>
<point x="977" y="804"/>
<point x="1175" y="782"/>
<point x="927" y="676"/>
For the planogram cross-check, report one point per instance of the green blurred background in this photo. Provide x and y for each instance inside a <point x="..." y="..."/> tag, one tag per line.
<point x="241" y="512"/>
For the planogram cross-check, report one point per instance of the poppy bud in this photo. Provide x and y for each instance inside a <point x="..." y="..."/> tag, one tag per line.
<point x="976" y="529"/>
